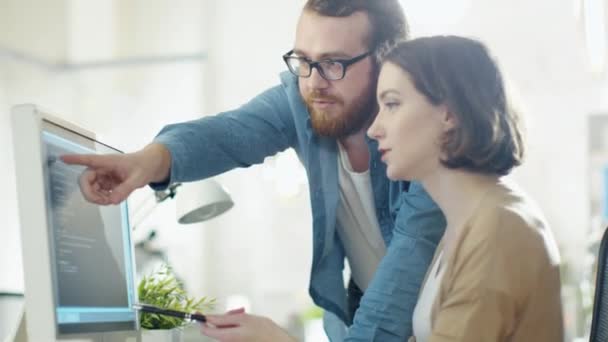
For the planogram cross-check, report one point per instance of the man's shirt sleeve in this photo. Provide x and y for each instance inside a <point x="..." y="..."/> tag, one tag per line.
<point x="239" y="138"/>
<point x="386" y="309"/>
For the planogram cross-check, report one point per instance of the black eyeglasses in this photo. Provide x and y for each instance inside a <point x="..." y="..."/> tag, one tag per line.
<point x="329" y="69"/>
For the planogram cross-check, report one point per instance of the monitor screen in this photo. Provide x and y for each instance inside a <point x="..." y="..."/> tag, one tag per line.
<point x="90" y="245"/>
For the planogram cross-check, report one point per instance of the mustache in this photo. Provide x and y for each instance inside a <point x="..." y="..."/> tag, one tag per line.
<point x="319" y="95"/>
<point x="322" y="97"/>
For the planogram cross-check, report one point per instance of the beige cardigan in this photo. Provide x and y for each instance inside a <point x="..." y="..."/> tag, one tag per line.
<point x="502" y="278"/>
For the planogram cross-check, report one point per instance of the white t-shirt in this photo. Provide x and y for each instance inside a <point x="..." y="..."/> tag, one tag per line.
<point x="422" y="312"/>
<point x="358" y="226"/>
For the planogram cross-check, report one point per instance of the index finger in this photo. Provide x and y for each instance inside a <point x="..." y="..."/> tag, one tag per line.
<point x="89" y="160"/>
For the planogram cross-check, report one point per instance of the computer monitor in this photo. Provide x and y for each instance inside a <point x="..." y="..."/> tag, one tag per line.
<point x="77" y="256"/>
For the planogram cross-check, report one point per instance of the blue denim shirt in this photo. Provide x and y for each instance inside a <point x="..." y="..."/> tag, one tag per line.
<point x="410" y="222"/>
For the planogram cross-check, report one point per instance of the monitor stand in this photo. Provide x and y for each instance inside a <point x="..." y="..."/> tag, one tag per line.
<point x="20" y="335"/>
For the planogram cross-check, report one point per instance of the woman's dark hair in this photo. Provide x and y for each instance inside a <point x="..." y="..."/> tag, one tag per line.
<point x="387" y="20"/>
<point x="460" y="73"/>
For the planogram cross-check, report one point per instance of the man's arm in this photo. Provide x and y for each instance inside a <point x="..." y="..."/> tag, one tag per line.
<point x="386" y="309"/>
<point x="240" y="138"/>
<point x="192" y="150"/>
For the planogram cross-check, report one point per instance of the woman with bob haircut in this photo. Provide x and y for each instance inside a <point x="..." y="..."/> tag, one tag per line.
<point x="444" y="120"/>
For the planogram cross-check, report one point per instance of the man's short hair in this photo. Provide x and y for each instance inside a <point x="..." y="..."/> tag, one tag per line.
<point x="460" y="73"/>
<point x="386" y="17"/>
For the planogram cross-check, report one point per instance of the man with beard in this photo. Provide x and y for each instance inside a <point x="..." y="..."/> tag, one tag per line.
<point x="386" y="230"/>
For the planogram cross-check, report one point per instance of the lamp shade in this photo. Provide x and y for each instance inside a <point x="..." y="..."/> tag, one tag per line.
<point x="201" y="201"/>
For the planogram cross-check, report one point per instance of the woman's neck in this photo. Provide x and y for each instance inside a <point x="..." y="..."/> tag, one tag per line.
<point x="458" y="193"/>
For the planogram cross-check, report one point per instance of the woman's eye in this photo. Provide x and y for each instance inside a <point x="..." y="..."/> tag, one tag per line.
<point x="391" y="105"/>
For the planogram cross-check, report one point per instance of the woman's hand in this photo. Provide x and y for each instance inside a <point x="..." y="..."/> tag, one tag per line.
<point x="236" y="326"/>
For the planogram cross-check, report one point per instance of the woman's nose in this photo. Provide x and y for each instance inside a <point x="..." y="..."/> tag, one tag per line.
<point x="375" y="130"/>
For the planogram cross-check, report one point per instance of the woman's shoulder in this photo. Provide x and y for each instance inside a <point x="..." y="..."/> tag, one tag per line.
<point x="513" y="222"/>
<point x="506" y="205"/>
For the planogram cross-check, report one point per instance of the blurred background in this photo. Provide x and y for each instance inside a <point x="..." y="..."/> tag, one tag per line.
<point x="126" y="68"/>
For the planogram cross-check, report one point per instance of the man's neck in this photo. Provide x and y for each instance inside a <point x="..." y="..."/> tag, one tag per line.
<point x="357" y="150"/>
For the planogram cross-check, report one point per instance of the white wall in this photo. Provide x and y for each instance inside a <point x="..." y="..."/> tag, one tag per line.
<point x="37" y="28"/>
<point x="10" y="260"/>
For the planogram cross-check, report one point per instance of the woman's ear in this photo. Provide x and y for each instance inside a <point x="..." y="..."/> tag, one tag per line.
<point x="449" y="119"/>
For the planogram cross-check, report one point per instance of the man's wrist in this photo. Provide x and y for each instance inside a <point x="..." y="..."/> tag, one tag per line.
<point x="159" y="156"/>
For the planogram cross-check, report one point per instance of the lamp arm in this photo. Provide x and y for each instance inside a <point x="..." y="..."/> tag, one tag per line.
<point x="139" y="214"/>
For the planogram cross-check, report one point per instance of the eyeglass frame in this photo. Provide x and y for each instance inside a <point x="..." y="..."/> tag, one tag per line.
<point x="317" y="64"/>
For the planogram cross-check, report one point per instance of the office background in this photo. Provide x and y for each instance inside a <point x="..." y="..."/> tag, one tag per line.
<point x="125" y="68"/>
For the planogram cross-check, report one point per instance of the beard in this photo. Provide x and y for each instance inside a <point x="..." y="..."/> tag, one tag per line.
<point x="344" y="120"/>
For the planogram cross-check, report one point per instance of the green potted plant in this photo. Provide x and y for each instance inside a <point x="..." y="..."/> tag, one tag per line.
<point x="162" y="289"/>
